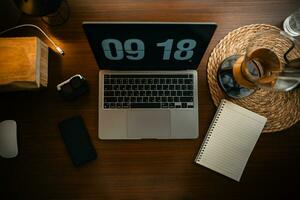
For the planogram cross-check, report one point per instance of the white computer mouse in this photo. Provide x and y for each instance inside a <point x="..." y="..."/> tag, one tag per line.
<point x="8" y="139"/>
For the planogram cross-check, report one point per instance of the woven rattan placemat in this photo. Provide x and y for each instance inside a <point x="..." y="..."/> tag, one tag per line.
<point x="282" y="109"/>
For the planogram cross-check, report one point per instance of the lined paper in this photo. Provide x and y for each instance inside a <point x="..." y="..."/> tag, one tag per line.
<point x="230" y="139"/>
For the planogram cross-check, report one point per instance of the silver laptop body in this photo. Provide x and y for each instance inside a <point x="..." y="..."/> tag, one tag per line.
<point x="145" y="104"/>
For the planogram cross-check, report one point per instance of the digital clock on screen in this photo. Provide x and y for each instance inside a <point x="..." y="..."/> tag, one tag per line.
<point x="148" y="45"/>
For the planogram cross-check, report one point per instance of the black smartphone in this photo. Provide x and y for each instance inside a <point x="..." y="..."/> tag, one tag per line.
<point x="77" y="140"/>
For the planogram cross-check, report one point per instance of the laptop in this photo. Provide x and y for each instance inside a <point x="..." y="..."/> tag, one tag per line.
<point x="148" y="80"/>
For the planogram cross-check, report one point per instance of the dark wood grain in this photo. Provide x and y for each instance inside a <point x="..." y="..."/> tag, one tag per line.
<point x="162" y="169"/>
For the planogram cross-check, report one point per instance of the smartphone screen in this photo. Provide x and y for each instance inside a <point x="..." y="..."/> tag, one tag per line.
<point x="77" y="140"/>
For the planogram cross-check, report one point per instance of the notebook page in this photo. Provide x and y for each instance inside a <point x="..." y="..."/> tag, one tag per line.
<point x="230" y="140"/>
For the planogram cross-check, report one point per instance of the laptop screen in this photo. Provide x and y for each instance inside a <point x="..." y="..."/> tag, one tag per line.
<point x="148" y="46"/>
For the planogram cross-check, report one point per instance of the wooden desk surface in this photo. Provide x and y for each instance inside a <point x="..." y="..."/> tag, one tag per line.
<point x="162" y="169"/>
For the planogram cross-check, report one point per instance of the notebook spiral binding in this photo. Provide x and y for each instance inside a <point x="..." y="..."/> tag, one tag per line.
<point x="211" y="129"/>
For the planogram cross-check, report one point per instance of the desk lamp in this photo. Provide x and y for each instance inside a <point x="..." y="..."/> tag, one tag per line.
<point x="52" y="12"/>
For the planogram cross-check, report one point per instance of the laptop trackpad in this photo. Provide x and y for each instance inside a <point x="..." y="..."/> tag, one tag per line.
<point x="149" y="124"/>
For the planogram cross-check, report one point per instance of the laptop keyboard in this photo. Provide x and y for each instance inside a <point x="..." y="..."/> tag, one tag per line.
<point x="148" y="91"/>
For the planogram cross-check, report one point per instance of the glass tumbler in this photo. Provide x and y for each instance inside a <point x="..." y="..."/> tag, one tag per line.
<point x="291" y="24"/>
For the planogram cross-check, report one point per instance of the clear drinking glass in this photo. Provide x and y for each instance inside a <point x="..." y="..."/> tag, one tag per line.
<point x="291" y="24"/>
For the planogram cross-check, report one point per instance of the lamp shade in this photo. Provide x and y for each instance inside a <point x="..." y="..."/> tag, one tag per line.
<point x="38" y="7"/>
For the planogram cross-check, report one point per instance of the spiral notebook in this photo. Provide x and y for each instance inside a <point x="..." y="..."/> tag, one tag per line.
<point x="230" y="139"/>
